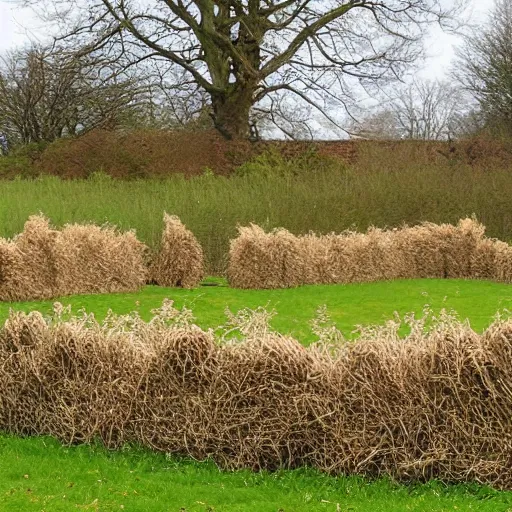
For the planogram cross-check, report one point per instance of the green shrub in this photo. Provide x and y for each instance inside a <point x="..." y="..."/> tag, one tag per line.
<point x="272" y="162"/>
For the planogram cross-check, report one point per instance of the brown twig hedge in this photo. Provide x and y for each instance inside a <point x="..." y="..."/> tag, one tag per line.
<point x="42" y="262"/>
<point x="437" y="404"/>
<point x="280" y="259"/>
<point x="180" y="260"/>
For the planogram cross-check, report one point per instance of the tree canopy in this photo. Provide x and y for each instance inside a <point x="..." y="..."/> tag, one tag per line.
<point x="245" y="54"/>
<point x="44" y="96"/>
<point x="485" y="67"/>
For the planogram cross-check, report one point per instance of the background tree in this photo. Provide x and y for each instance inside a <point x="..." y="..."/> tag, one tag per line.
<point x="484" y="67"/>
<point x="240" y="52"/>
<point x="376" y="125"/>
<point x="174" y="102"/>
<point x="423" y="110"/>
<point x="44" y="96"/>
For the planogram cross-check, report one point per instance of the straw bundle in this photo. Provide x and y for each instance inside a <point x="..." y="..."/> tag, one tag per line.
<point x="42" y="263"/>
<point x="94" y="259"/>
<point x="265" y="260"/>
<point x="180" y="259"/>
<point x="260" y="260"/>
<point x="350" y="257"/>
<point x="503" y="262"/>
<point x="440" y="251"/>
<point x="28" y="263"/>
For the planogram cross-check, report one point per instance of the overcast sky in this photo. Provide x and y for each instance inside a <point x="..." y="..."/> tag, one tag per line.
<point x="18" y="26"/>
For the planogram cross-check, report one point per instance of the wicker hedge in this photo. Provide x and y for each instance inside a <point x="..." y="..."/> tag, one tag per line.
<point x="280" y="260"/>
<point x="437" y="404"/>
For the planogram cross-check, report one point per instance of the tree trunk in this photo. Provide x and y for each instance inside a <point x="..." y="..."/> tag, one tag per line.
<point x="231" y="112"/>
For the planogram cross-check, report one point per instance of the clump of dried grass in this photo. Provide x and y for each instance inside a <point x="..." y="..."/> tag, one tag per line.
<point x="350" y="257"/>
<point x="440" y="250"/>
<point x="503" y="262"/>
<point x="260" y="260"/>
<point x="42" y="262"/>
<point x="435" y="404"/>
<point x="265" y="260"/>
<point x="180" y="260"/>
<point x="28" y="262"/>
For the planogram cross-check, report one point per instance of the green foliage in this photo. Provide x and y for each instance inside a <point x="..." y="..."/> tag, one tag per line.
<point x="32" y="151"/>
<point x="12" y="166"/>
<point x="19" y="163"/>
<point x="272" y="162"/>
<point x="99" y="177"/>
<point x="208" y="172"/>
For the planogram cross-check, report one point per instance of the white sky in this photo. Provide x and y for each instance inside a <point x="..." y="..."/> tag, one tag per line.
<point x="18" y="26"/>
<point x="441" y="46"/>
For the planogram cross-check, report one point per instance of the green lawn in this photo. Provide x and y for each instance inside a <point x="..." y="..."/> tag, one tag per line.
<point x="349" y="305"/>
<point x="40" y="475"/>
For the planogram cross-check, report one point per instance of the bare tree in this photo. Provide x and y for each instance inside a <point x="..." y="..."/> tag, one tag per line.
<point x="44" y="96"/>
<point x="240" y="52"/>
<point x="429" y="110"/>
<point x="174" y="101"/>
<point x="425" y="110"/>
<point x="485" y="66"/>
<point x="376" y="125"/>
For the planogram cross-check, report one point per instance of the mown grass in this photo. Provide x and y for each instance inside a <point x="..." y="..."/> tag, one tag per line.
<point x="348" y="305"/>
<point x="324" y="198"/>
<point x="39" y="474"/>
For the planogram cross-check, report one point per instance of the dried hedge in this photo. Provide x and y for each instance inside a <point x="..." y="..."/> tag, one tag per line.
<point x="265" y="260"/>
<point x="436" y="404"/>
<point x="180" y="260"/>
<point x="280" y="260"/>
<point x="42" y="262"/>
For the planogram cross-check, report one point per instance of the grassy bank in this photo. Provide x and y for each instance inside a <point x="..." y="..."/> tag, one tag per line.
<point x="348" y="305"/>
<point x="331" y="199"/>
<point x="39" y="474"/>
